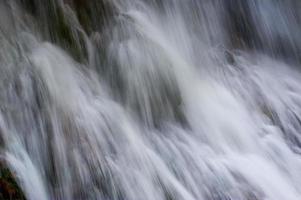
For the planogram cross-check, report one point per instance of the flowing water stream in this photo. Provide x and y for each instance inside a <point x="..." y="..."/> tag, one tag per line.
<point x="154" y="100"/>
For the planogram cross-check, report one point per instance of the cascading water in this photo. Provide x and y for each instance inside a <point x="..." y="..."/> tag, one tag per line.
<point x="151" y="99"/>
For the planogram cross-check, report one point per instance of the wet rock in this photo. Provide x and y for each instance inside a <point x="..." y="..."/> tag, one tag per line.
<point x="9" y="188"/>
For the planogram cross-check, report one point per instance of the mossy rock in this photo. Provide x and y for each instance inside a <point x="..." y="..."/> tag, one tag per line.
<point x="9" y="188"/>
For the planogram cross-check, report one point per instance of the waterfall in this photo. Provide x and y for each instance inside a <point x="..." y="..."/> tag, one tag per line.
<point x="151" y="99"/>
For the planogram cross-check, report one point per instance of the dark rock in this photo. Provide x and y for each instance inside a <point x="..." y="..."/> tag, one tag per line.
<point x="9" y="188"/>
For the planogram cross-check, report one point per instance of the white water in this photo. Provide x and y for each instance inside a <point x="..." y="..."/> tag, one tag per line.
<point x="67" y="134"/>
